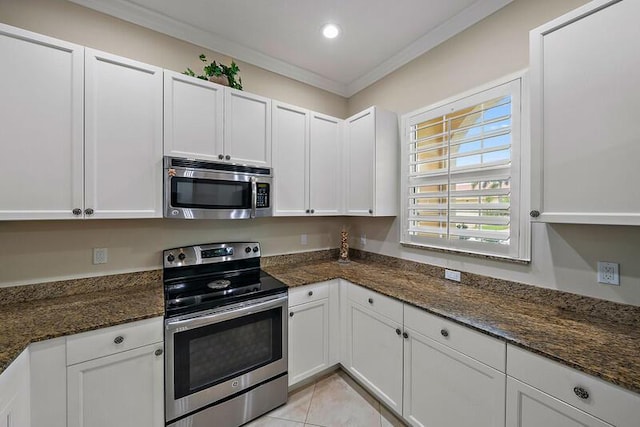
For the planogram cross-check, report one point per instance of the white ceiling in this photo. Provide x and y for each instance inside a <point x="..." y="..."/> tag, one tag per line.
<point x="378" y="36"/>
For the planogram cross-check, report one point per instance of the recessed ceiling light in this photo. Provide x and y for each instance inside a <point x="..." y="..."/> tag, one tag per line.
<point x="330" y="31"/>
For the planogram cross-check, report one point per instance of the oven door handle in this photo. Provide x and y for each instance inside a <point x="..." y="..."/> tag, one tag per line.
<point x="173" y="326"/>
<point x="254" y="196"/>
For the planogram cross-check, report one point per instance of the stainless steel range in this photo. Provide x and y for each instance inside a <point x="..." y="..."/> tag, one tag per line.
<point x="225" y="336"/>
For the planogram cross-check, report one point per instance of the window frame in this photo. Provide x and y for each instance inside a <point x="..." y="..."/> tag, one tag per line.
<point x="518" y="249"/>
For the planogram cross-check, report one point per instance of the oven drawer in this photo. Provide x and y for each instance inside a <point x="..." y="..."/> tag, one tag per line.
<point x="308" y="293"/>
<point x="107" y="341"/>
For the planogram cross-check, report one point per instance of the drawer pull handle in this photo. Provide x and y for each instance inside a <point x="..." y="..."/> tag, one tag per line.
<point x="119" y="339"/>
<point x="406" y="335"/>
<point x="291" y="314"/>
<point x="581" y="393"/>
<point x="398" y="331"/>
<point x="159" y="352"/>
<point x="370" y="300"/>
<point x="310" y="293"/>
<point x="444" y="333"/>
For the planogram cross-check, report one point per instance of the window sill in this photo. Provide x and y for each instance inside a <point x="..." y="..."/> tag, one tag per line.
<point x="461" y="252"/>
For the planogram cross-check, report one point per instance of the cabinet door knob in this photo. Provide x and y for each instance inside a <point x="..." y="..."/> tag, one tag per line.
<point x="291" y="314"/>
<point x="371" y="211"/>
<point x="227" y="157"/>
<point x="581" y="393"/>
<point x="310" y="293"/>
<point x="159" y="352"/>
<point x="406" y="335"/>
<point x="534" y="214"/>
<point x="119" y="339"/>
<point x="313" y="210"/>
<point x="444" y="333"/>
<point x="220" y="156"/>
<point x="307" y="211"/>
<point x="398" y="331"/>
<point x="77" y="211"/>
<point x="370" y="300"/>
<point x="88" y="211"/>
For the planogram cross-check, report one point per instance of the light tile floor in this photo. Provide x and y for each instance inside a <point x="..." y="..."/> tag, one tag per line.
<point x="332" y="401"/>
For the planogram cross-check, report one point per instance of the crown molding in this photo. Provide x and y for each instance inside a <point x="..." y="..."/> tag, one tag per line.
<point x="458" y="23"/>
<point x="130" y="12"/>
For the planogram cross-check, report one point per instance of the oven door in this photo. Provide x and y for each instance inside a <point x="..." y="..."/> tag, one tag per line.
<point x="222" y="352"/>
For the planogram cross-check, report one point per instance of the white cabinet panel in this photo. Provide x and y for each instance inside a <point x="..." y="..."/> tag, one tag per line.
<point x="48" y="383"/>
<point x="529" y="407"/>
<point x="290" y="159"/>
<point x="325" y="165"/>
<point x="585" y="96"/>
<point x="309" y="339"/>
<point x="123" y="142"/>
<point x="247" y="128"/>
<point x="371" y="163"/>
<point x="193" y="117"/>
<point x="15" y="393"/>
<point x="125" y="390"/>
<point x="443" y="387"/>
<point x="374" y="353"/>
<point x="41" y="125"/>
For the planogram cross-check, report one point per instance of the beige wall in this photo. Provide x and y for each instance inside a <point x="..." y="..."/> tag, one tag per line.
<point x="71" y="22"/>
<point x="563" y="256"/>
<point x="36" y="251"/>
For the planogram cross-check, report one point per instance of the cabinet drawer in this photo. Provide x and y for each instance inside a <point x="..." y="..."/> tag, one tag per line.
<point x="606" y="401"/>
<point x="379" y="303"/>
<point x="308" y="293"/>
<point x="488" y="350"/>
<point x="106" y="341"/>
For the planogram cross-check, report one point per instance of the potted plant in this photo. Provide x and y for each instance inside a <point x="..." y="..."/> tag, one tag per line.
<point x="219" y="73"/>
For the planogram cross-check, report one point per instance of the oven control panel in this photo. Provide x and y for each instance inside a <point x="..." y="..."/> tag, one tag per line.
<point x="210" y="253"/>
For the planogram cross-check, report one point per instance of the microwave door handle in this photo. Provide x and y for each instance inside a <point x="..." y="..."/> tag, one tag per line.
<point x="254" y="196"/>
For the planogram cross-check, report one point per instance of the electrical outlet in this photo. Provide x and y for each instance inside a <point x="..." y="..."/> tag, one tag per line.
<point x="363" y="239"/>
<point x="100" y="255"/>
<point x="608" y="273"/>
<point x="303" y="239"/>
<point x="452" y="275"/>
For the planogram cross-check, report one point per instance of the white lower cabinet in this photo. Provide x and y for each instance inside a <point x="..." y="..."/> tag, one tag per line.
<point x="120" y="379"/>
<point x="15" y="393"/>
<point x="374" y="344"/>
<point x="313" y="334"/>
<point x="125" y="389"/>
<point x="443" y="387"/>
<point x="530" y="407"/>
<point x="543" y="392"/>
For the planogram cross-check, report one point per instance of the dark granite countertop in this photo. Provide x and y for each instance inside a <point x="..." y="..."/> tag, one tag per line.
<point x="597" y="337"/>
<point x="26" y="316"/>
<point x="603" y="347"/>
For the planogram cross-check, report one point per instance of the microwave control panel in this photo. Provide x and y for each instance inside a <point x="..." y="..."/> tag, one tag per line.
<point x="262" y="197"/>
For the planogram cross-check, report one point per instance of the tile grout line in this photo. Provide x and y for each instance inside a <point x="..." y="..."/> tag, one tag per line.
<point x="306" y="417"/>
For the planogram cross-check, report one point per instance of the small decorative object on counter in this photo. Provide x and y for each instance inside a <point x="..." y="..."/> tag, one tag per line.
<point x="218" y="73"/>
<point x="344" y="247"/>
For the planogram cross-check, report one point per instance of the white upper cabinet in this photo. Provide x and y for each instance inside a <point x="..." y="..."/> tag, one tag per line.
<point x="247" y="128"/>
<point x="41" y="126"/>
<point x="306" y="162"/>
<point x="325" y="165"/>
<point x="585" y="94"/>
<point x="193" y="117"/>
<point x="290" y="159"/>
<point x="371" y="163"/>
<point x="123" y="137"/>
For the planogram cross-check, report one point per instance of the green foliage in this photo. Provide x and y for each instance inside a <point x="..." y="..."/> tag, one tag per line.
<point x="214" y="69"/>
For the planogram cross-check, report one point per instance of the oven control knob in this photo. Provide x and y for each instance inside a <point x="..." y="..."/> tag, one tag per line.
<point x="255" y="249"/>
<point x="170" y="258"/>
<point x="247" y="249"/>
<point x="182" y="256"/>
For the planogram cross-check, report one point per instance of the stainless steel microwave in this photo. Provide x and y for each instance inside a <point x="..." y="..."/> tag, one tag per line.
<point x="197" y="189"/>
